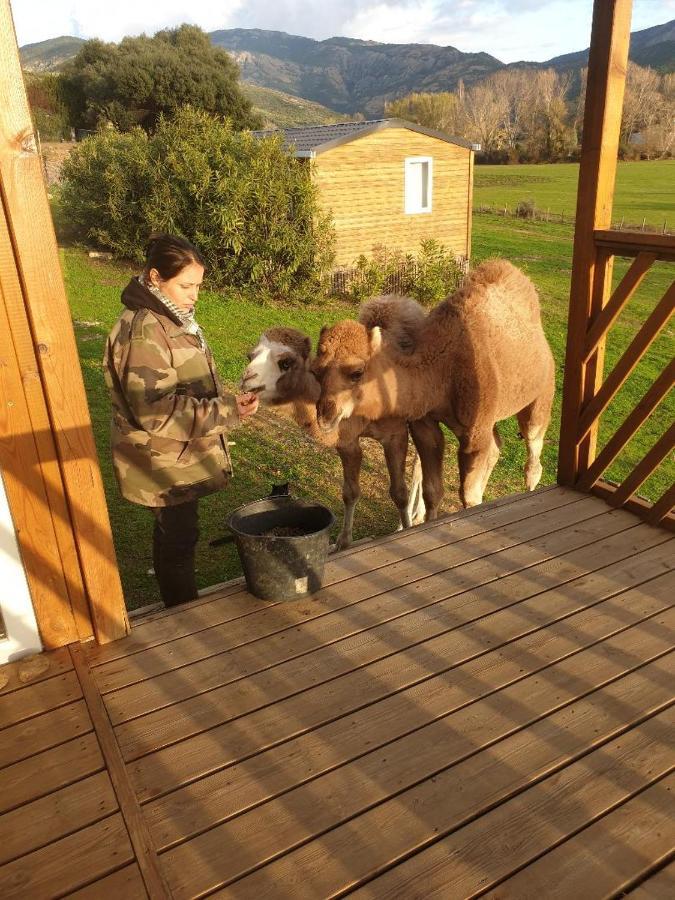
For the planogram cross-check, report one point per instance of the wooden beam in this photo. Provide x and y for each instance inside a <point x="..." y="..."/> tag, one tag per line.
<point x="624" y="291"/>
<point x="27" y="497"/>
<point x="661" y="510"/>
<point x="138" y="830"/>
<point x="630" y="243"/>
<point x="607" y="63"/>
<point x="637" y="505"/>
<point x="630" y="358"/>
<point x="18" y="331"/>
<point x="625" y="432"/>
<point x="37" y="261"/>
<point x="647" y="465"/>
<point x="469" y="215"/>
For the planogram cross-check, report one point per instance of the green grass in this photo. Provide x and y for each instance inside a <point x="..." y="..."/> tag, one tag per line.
<point x="643" y="189"/>
<point x="270" y="449"/>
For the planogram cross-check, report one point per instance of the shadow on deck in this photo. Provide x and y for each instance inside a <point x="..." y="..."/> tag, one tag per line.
<point x="481" y="705"/>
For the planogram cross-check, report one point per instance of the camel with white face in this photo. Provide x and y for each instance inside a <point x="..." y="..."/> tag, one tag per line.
<point x="279" y="373"/>
<point x="481" y="356"/>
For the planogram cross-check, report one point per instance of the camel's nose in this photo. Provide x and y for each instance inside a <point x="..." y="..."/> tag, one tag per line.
<point x="326" y="413"/>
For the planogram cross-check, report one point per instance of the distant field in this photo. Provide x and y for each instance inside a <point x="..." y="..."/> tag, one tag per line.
<point x="643" y="189"/>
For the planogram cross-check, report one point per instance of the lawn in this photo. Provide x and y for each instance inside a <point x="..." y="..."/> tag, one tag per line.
<point x="270" y="449"/>
<point x="644" y="190"/>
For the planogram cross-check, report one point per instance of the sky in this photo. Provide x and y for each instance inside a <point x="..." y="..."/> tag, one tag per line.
<point x="511" y="30"/>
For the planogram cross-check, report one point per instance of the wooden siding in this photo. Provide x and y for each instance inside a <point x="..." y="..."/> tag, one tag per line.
<point x="362" y="184"/>
<point x="482" y="703"/>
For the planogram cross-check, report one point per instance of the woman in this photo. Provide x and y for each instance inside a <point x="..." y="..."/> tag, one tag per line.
<point x="170" y="414"/>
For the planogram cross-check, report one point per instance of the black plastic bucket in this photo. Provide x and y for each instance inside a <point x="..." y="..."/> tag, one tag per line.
<point x="282" y="544"/>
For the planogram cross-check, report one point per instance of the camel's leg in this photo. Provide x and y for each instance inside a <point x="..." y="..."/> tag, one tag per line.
<point x="533" y="434"/>
<point x="416" y="508"/>
<point x="476" y="457"/>
<point x="493" y="457"/>
<point x="430" y="443"/>
<point x="395" y="452"/>
<point x="351" y="457"/>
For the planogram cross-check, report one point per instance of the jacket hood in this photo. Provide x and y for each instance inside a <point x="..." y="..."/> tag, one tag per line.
<point x="137" y="296"/>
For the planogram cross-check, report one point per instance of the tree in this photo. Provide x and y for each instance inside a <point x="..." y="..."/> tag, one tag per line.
<point x="247" y="203"/>
<point x="139" y="79"/>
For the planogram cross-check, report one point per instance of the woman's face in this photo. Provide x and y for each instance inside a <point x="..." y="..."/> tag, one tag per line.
<point x="183" y="288"/>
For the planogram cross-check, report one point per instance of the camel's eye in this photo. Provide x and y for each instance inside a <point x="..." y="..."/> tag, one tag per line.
<point x="356" y="376"/>
<point x="285" y="364"/>
<point x="249" y="356"/>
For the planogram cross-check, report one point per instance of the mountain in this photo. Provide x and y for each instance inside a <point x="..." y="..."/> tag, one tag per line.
<point x="347" y="74"/>
<point x="48" y="56"/>
<point x="352" y="76"/>
<point x="653" y="47"/>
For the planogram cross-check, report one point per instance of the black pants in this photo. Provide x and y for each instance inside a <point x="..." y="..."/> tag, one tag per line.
<point x="173" y="551"/>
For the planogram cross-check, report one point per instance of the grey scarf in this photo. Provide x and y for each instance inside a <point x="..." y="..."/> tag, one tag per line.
<point x="187" y="319"/>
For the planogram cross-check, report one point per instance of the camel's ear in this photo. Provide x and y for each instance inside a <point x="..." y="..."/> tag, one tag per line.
<point x="306" y="348"/>
<point x="375" y="339"/>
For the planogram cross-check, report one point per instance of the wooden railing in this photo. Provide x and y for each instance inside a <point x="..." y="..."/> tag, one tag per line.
<point x="590" y="393"/>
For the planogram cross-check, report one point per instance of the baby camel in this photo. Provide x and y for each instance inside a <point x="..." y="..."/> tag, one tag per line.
<point x="279" y="372"/>
<point x="481" y="356"/>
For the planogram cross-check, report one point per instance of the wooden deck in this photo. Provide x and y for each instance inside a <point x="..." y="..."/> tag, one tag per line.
<point x="481" y="705"/>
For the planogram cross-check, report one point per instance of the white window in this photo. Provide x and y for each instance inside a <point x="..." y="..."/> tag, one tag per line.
<point x="418" y="184"/>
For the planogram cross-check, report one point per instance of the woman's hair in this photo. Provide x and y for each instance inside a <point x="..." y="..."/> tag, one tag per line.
<point x="170" y="255"/>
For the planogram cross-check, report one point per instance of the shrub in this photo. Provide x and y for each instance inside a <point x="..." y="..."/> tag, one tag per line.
<point x="526" y="209"/>
<point x="248" y="204"/>
<point x="428" y="277"/>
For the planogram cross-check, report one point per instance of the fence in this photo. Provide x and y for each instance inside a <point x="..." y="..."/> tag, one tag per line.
<point x="526" y="210"/>
<point x="397" y="281"/>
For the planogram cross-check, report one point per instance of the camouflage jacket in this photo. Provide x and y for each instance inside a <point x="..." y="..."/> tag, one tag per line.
<point x="169" y="412"/>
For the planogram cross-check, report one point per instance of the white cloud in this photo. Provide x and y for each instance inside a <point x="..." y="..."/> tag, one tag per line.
<point x="507" y="29"/>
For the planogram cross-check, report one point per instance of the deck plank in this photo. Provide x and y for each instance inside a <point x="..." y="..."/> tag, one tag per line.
<point x="607" y="856"/>
<point x="458" y="708"/>
<point x="22" y="740"/>
<point x="407" y="717"/>
<point x="659" y="886"/>
<point x="407" y="617"/>
<point x="489" y="849"/>
<point x="237" y="636"/>
<point x="55" y="816"/>
<point x="329" y="861"/>
<point x="68" y="863"/>
<point x="49" y="694"/>
<point x="395" y="669"/>
<point x="190" y="619"/>
<point x="126" y="883"/>
<point x="31" y="669"/>
<point x="48" y="771"/>
<point x="479" y="564"/>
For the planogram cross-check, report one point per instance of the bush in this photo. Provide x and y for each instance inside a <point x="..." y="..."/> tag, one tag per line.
<point x="526" y="209"/>
<point x="428" y="277"/>
<point x="248" y="204"/>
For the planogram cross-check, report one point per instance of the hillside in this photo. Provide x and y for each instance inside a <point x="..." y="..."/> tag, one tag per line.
<point x="284" y="111"/>
<point x="351" y="76"/>
<point x="49" y="56"/>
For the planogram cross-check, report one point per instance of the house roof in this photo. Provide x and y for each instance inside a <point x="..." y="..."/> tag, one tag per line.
<point x="309" y="140"/>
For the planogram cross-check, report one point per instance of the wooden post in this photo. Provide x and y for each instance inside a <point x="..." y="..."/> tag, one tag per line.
<point x="36" y="259"/>
<point x="591" y="269"/>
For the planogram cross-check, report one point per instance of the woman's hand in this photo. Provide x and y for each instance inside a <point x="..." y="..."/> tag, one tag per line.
<point x="247" y="404"/>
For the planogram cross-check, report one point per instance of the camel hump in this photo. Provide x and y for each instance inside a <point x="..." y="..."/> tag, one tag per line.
<point x="501" y="282"/>
<point x="400" y="318"/>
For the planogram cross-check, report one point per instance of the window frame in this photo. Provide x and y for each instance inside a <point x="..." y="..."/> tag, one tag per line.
<point x="410" y="207"/>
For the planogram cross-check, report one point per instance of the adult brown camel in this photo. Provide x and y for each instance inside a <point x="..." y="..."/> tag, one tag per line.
<point x="279" y="371"/>
<point x="480" y="356"/>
